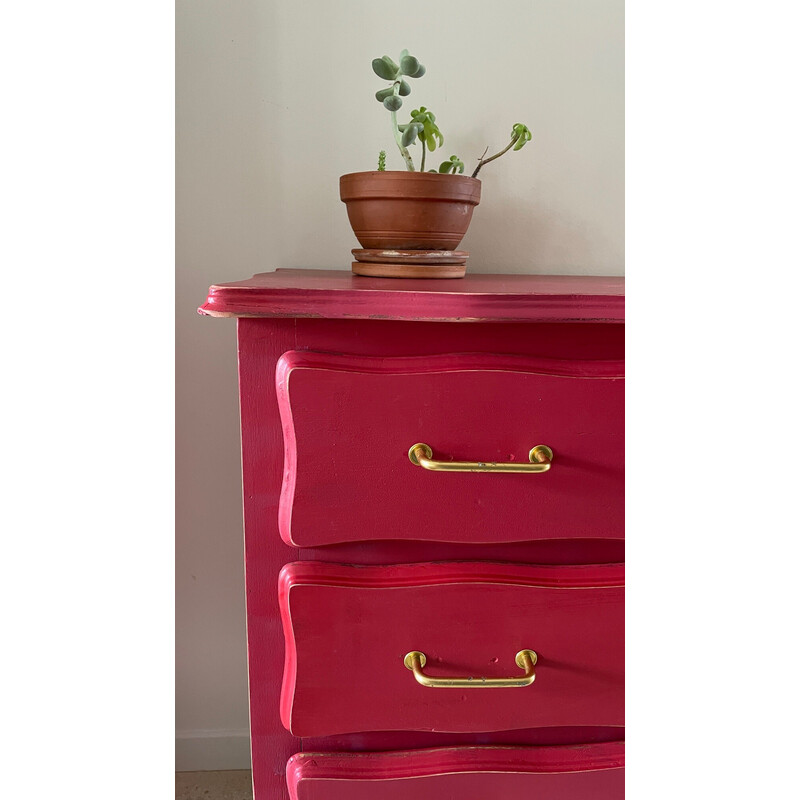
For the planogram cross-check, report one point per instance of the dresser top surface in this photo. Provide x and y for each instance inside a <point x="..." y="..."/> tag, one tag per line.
<point x="337" y="294"/>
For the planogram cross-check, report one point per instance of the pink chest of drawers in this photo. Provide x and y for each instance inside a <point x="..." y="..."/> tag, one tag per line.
<point x="433" y="500"/>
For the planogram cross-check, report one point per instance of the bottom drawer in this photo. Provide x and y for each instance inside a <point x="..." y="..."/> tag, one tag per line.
<point x="594" y="771"/>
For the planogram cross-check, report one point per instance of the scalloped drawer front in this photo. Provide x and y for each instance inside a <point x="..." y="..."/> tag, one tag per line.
<point x="477" y="773"/>
<point x="348" y="630"/>
<point x="349" y="422"/>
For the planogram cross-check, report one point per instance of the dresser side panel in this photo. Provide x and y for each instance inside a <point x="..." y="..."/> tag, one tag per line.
<point x="260" y="346"/>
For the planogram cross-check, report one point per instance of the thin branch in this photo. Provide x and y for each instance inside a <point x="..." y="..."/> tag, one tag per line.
<point x="496" y="155"/>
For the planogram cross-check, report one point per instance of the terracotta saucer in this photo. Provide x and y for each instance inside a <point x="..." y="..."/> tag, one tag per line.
<point x="411" y="256"/>
<point x="375" y="270"/>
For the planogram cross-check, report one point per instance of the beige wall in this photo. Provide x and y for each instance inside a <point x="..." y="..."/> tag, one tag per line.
<point x="274" y="102"/>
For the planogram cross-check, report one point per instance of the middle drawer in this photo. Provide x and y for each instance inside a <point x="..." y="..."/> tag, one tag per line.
<point x="350" y="633"/>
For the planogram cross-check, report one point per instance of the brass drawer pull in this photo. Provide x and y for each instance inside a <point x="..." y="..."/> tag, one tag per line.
<point x="526" y="659"/>
<point x="541" y="457"/>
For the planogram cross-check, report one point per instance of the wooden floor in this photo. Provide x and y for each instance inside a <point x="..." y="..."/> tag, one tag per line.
<point x="233" y="785"/>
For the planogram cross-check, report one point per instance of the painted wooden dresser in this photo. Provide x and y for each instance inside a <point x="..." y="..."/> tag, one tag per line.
<point x="433" y="477"/>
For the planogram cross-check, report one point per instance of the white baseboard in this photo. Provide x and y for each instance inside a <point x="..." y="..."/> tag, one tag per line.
<point x="202" y="750"/>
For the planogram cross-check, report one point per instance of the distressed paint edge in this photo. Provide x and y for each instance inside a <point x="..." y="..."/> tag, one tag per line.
<point x="411" y="764"/>
<point x="283" y="371"/>
<point x="450" y="362"/>
<point x="240" y="299"/>
<point x="445" y="573"/>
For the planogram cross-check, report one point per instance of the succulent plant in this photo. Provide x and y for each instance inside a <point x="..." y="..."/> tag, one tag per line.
<point x="382" y="161"/>
<point x="422" y="125"/>
<point x="392" y="99"/>
<point x="453" y="165"/>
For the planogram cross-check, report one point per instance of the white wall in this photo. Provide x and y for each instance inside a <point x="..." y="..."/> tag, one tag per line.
<point x="274" y="102"/>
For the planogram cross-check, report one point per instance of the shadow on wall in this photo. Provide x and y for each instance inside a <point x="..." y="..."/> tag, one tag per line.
<point x="506" y="237"/>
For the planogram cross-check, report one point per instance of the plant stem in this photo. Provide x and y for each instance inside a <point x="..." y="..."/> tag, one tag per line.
<point x="422" y="162"/>
<point x="483" y="161"/>
<point x="397" y="135"/>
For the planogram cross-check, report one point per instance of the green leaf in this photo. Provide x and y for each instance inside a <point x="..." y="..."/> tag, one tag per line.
<point x="435" y="135"/>
<point x="383" y="94"/>
<point x="418" y="74"/>
<point x="409" y="65"/>
<point x="455" y="164"/>
<point x="392" y="66"/>
<point x="409" y="135"/>
<point x="383" y="70"/>
<point x="393" y="103"/>
<point x="405" y="89"/>
<point x="431" y="134"/>
<point x="524" y="134"/>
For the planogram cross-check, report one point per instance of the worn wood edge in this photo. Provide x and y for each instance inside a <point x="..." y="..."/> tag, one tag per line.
<point x="289" y="682"/>
<point x="406" y="764"/>
<point x="494" y="312"/>
<point x="446" y="573"/>
<point x="446" y="362"/>
<point x="395" y="302"/>
<point x="283" y="370"/>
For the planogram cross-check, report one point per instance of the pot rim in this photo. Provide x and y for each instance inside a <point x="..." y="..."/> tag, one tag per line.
<point x="428" y="176"/>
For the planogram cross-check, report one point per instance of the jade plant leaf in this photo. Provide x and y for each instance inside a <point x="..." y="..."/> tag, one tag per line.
<point x="385" y="68"/>
<point x="392" y="66"/>
<point x="409" y="65"/>
<point x="410" y="133"/>
<point x="393" y="102"/>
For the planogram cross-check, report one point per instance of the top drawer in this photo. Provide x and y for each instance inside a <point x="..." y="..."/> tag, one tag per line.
<point x="350" y="421"/>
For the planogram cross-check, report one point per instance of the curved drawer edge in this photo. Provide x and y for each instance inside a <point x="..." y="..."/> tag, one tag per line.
<point x="409" y="764"/>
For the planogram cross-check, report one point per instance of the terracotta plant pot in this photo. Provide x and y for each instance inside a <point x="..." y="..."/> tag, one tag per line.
<point x="396" y="210"/>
